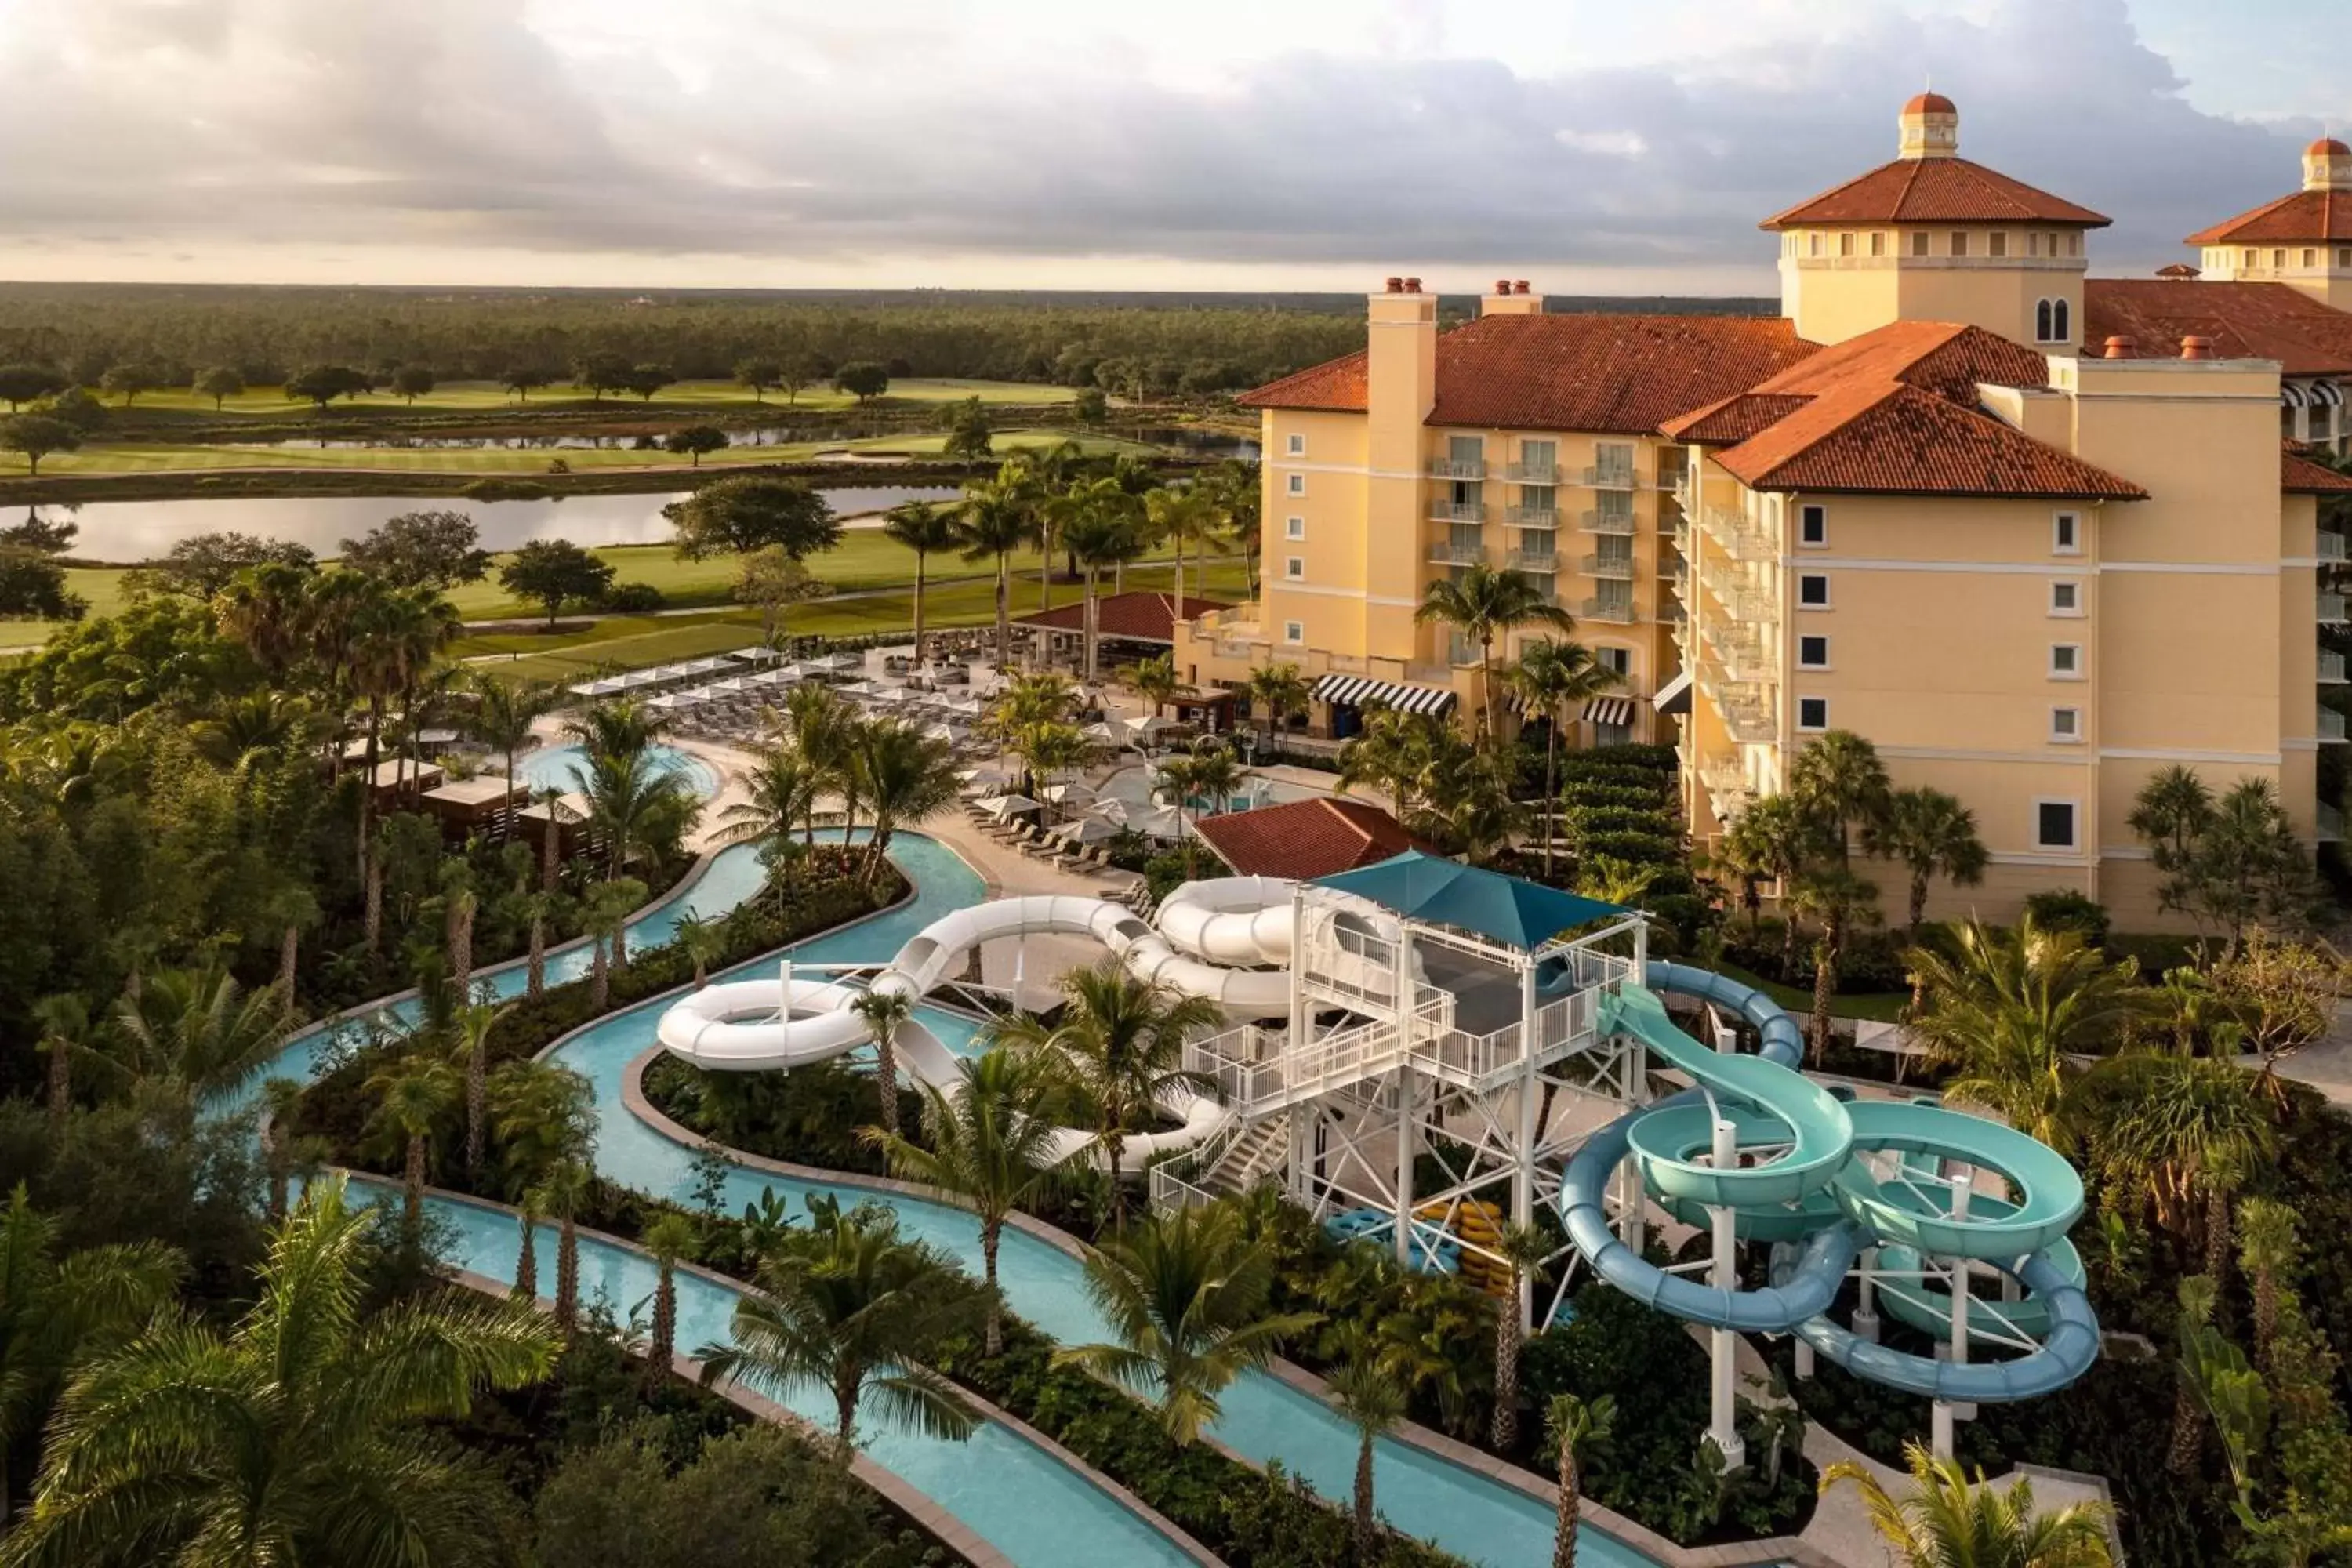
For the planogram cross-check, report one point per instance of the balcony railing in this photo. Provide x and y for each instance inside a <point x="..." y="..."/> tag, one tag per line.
<point x="1746" y="711"/>
<point x="1617" y="612"/>
<point x="2330" y="823"/>
<point x="1672" y="614"/>
<point x="2331" y="725"/>
<point x="1726" y="781"/>
<point x="1597" y="522"/>
<point x="1745" y="602"/>
<point x="1456" y="511"/>
<point x="1611" y="476"/>
<point x="1533" y="473"/>
<point x="1532" y="561"/>
<point x="1447" y="553"/>
<point x="1532" y="516"/>
<point x="1457" y="468"/>
<point x="2331" y="668"/>
<point x="2331" y="609"/>
<point x="1736" y="536"/>
<point x="2331" y="546"/>
<point x="1674" y="568"/>
<point x="1613" y="566"/>
<point x="1686" y="490"/>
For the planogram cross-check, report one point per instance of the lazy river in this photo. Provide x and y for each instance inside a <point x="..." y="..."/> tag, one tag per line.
<point x="1037" y="1510"/>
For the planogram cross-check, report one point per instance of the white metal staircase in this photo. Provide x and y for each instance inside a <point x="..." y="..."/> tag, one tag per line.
<point x="1259" y="1151"/>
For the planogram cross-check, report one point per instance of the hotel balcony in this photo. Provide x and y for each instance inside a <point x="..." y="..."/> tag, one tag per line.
<point x="1747" y="711"/>
<point x="1533" y="473"/>
<point x="1739" y="653"/>
<point x="1610" y="478"/>
<point x="1456" y="511"/>
<point x="1686" y="490"/>
<point x="1615" y="566"/>
<point x="1725" y="782"/>
<point x="1736" y="536"/>
<point x="1532" y="561"/>
<point x="1597" y="522"/>
<point x="1743" y="602"/>
<point x="1616" y="612"/>
<point x="1451" y="552"/>
<point x="2331" y="668"/>
<point x="2331" y="609"/>
<point x="2330" y="823"/>
<point x="2331" y="546"/>
<point x="1672" y="614"/>
<point x="1531" y="516"/>
<point x="2331" y="725"/>
<point x="1457" y="468"/>
<point x="1674" y="568"/>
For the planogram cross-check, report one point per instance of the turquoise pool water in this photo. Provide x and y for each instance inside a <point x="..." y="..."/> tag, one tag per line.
<point x="1015" y="1496"/>
<point x="556" y="767"/>
<point x="1133" y="785"/>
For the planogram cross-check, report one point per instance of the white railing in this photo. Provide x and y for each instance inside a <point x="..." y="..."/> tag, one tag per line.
<point x="2331" y="724"/>
<point x="1532" y="516"/>
<point x="1533" y="473"/>
<point x="2331" y="545"/>
<point x="1457" y="511"/>
<point x="1532" y="559"/>
<point x="1619" y="612"/>
<point x="1736" y="536"/>
<point x="2331" y="609"/>
<point x="1611" y="476"/>
<point x="1617" y="566"/>
<point x="1457" y="468"/>
<point x="1446" y="553"/>
<point x="2331" y="668"/>
<point x="1171" y="1192"/>
<point x="1597" y="522"/>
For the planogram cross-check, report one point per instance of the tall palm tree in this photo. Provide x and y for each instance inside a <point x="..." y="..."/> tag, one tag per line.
<point x="1551" y="676"/>
<point x="563" y="1194"/>
<point x="997" y="519"/>
<point x="56" y="1311"/>
<point x="1486" y="605"/>
<point x="617" y="728"/>
<point x="634" y="803"/>
<point x="1774" y="838"/>
<point x="1394" y="753"/>
<point x="779" y="793"/>
<point x="885" y="1013"/>
<point x="1276" y="692"/>
<point x="1840" y="780"/>
<point x="1948" y="1521"/>
<point x="475" y="1022"/>
<point x="2267" y="1251"/>
<point x="669" y="1238"/>
<point x="412" y="1095"/>
<point x="1574" y="1425"/>
<point x="826" y="728"/>
<point x="67" y="1030"/>
<point x="927" y="531"/>
<point x="1099" y="534"/>
<point x="1186" y="1292"/>
<point x="1933" y="835"/>
<point x="545" y="1116"/>
<point x="505" y="711"/>
<point x="2178" y="1129"/>
<point x="909" y="778"/>
<point x="609" y="905"/>
<point x="459" y="906"/>
<point x="526" y="1280"/>
<point x="1154" y="679"/>
<point x="1839" y="899"/>
<point x="992" y="1144"/>
<point x="1182" y="515"/>
<point x="2011" y="1009"/>
<point x="1524" y="1249"/>
<point x="1373" y="1400"/>
<point x="847" y="1306"/>
<point x="701" y="939"/>
<point x="287" y="1154"/>
<point x="1120" y="1049"/>
<point x="195" y="1030"/>
<point x="298" y="1436"/>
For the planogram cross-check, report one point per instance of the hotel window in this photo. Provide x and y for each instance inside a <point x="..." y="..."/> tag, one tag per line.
<point x="2033" y="244"/>
<point x="1618" y="661"/>
<point x="1814" y="526"/>
<point x="1812" y="653"/>
<point x="2065" y="598"/>
<point x="1812" y="243"/>
<point x="1294" y="528"/>
<point x="2053" y="321"/>
<point x="1814" y="590"/>
<point x="1294" y="631"/>
<point x="1298" y="484"/>
<point x="1295" y="568"/>
<point x="1997" y="243"/>
<point x="2344" y="255"/>
<point x="2066" y="661"/>
<point x="2278" y="259"/>
<point x="1813" y="714"/>
<point x="2310" y="258"/>
<point x="2250" y="261"/>
<point x="1877" y="243"/>
<point x="2066" y="533"/>
<point x="1538" y="464"/>
<point x="2053" y="825"/>
<point x="1298" y="446"/>
<point x="2073" y="245"/>
<point x="1919" y="243"/>
<point x="2053" y="245"/>
<point x="1846" y="244"/>
<point x="2066" y="726"/>
<point x="1959" y="242"/>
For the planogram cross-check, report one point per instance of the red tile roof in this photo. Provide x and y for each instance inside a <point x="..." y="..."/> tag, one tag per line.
<point x="1137" y="616"/>
<point x="2300" y="475"/>
<point x="1590" y="371"/>
<point x="1305" y="839"/>
<point x="2306" y="217"/>
<point x="1935" y="189"/>
<point x="2241" y="321"/>
<point x="1733" y="419"/>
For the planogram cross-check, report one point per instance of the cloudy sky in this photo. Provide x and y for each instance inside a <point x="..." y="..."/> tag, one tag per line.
<point x="1594" y="145"/>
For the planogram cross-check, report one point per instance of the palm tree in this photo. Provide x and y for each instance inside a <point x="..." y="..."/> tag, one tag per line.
<point x="475" y="1022"/>
<point x="1186" y="1293"/>
<point x="1524" y="1249"/>
<point x="458" y="908"/>
<point x="526" y="1280"/>
<point x="2012" y="1007"/>
<point x="847" y="1306"/>
<point x="1839" y="899"/>
<point x="1948" y="1521"/>
<point x="997" y="520"/>
<point x="619" y="728"/>
<point x="281" y="1099"/>
<point x="1394" y="753"/>
<point x="1154" y="679"/>
<point x="927" y="531"/>
<point x="779" y="793"/>
<point x="667" y="1239"/>
<point x="411" y="1096"/>
<point x="562" y="1195"/>
<point x="701" y="938"/>
<point x="296" y="1436"/>
<point x="1840" y="780"/>
<point x="1573" y="1426"/>
<point x="545" y="1116"/>
<point x="633" y="803"/>
<point x="197" y="1031"/>
<point x="58" y="1310"/>
<point x="1099" y="529"/>
<point x="827" y="728"/>
<point x="885" y="1013"/>
<point x="992" y="1149"/>
<point x="909" y="778"/>
<point x="538" y="908"/>
<point x="1119" y="1048"/>
<point x="2171" y="810"/>
<point x="607" y="914"/>
<point x="1774" y="838"/>
<point x="2179" y="1127"/>
<point x="1372" y="1399"/>
<point x="504" y="715"/>
<point x="2267" y="1251"/>
<point x="1549" y="677"/>
<point x="1182" y="515"/>
<point x="1485" y="606"/>
<point x="1933" y="835"/>
<point x="67" y="1030"/>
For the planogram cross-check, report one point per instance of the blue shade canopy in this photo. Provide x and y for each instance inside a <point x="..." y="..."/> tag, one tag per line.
<point x="1420" y="887"/>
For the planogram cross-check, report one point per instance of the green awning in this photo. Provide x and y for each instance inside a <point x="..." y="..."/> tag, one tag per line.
<point x="1511" y="911"/>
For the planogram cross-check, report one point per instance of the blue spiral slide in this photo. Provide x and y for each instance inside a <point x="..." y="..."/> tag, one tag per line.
<point x="1811" y="1194"/>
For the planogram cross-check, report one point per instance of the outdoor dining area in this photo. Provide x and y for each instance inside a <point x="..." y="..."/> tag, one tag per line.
<point x="663" y="678"/>
<point x="1067" y="824"/>
<point x="945" y="702"/>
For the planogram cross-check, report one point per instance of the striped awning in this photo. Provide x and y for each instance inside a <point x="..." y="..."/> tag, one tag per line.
<point x="1675" y="696"/>
<point x="2310" y="393"/>
<point x="1609" y="710"/>
<point x="1364" y="691"/>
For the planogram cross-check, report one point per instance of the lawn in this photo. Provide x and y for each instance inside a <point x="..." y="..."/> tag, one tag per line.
<point x="1876" y="1006"/>
<point x="163" y="456"/>
<point x="474" y="396"/>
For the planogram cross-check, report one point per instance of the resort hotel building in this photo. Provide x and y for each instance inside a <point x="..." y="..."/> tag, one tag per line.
<point x="2035" y="534"/>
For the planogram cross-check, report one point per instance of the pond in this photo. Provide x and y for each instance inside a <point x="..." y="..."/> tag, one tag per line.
<point x="132" y="530"/>
<point x="762" y="435"/>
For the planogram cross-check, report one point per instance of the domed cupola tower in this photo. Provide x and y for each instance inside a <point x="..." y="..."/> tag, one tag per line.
<point x="1932" y="236"/>
<point x="2303" y="239"/>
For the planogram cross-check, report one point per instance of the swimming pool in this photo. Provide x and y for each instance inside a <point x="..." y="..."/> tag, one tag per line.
<point x="1133" y="785"/>
<point x="558" y="767"/>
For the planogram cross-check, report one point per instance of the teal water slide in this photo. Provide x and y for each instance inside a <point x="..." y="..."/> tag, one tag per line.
<point x="1805" y="1187"/>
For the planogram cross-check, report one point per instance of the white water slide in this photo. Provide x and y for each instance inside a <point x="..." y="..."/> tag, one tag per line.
<point x="1206" y="931"/>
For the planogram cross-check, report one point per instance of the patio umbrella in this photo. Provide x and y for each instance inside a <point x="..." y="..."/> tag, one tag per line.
<point x="1067" y="793"/>
<point x="1110" y="732"/>
<point x="1110" y="809"/>
<point x="727" y="688"/>
<point x="1006" y="806"/>
<point x="980" y="775"/>
<point x="846" y="662"/>
<point x="1162" y="822"/>
<point x="954" y="735"/>
<point x="1087" y="830"/>
<point x="971" y="707"/>
<point x="1152" y="725"/>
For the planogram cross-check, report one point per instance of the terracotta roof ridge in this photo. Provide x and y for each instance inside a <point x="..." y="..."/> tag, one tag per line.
<point x="2214" y="233"/>
<point x="1877" y="398"/>
<point x="1819" y="196"/>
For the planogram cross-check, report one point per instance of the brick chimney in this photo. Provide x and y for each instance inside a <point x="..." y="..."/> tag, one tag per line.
<point x="1510" y="297"/>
